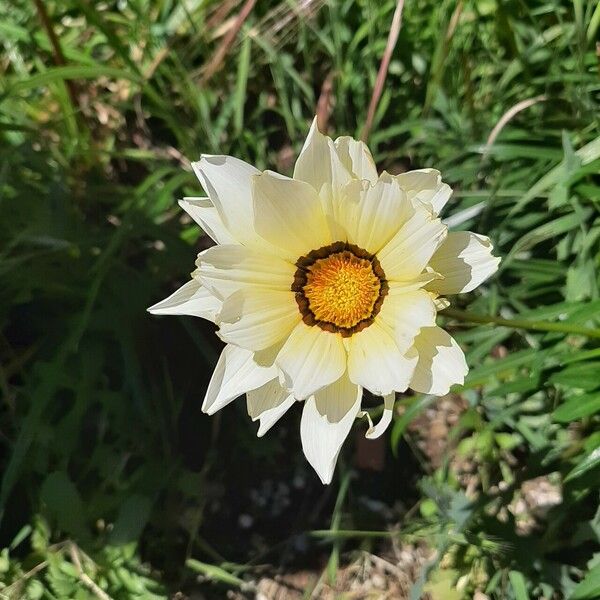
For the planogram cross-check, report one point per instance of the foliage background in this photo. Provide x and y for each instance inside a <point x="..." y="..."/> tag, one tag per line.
<point x="113" y="482"/>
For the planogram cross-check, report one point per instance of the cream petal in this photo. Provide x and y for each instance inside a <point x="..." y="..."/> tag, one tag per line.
<point x="376" y="431"/>
<point x="425" y="185"/>
<point x="319" y="164"/>
<point x="406" y="255"/>
<point x="376" y="363"/>
<point x="288" y="214"/>
<point x="406" y="312"/>
<point x="464" y="260"/>
<point x="416" y="283"/>
<point x="327" y="419"/>
<point x="268" y="403"/>
<point x="356" y="157"/>
<point x="206" y="215"/>
<point x="441" y="362"/>
<point x="227" y="181"/>
<point x="441" y="303"/>
<point x="267" y="356"/>
<point x="343" y="208"/>
<point x="190" y="299"/>
<point x="256" y="318"/>
<point x="235" y="374"/>
<point x="311" y="359"/>
<point x="227" y="269"/>
<point x="270" y="417"/>
<point x="418" y="180"/>
<point x="437" y="198"/>
<point x="376" y="213"/>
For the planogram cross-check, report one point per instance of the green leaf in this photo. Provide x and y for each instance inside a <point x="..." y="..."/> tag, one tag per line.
<point x="577" y="407"/>
<point x="131" y="520"/>
<point x="214" y="572"/>
<point x="517" y="581"/>
<point x="588" y="462"/>
<point x="71" y="72"/>
<point x="64" y="504"/>
<point x="418" y="406"/>
<point x="442" y="585"/>
<point x="580" y="376"/>
<point x="587" y="154"/>
<point x="589" y="587"/>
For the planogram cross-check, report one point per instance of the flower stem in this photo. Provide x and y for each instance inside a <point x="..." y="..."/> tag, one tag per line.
<point x="463" y="315"/>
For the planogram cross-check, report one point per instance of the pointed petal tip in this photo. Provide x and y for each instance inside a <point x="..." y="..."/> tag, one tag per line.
<point x="325" y="475"/>
<point x="160" y="308"/>
<point x="325" y="479"/>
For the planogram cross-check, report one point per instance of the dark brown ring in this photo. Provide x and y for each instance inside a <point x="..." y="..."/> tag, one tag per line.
<point x="300" y="280"/>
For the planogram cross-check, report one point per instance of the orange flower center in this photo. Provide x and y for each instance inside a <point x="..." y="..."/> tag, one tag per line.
<point x="339" y="287"/>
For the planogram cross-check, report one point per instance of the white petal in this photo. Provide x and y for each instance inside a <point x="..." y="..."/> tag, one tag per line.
<point x="235" y="374"/>
<point x="376" y="363"/>
<point x="406" y="312"/>
<point x="192" y="299"/>
<point x="270" y="417"/>
<point x="326" y="422"/>
<point x="311" y="359"/>
<point x="288" y="214"/>
<point x="376" y="431"/>
<point x="441" y="362"/>
<point x="319" y="164"/>
<point x="357" y="158"/>
<point x="226" y="269"/>
<point x="465" y="260"/>
<point x="256" y="318"/>
<point x="376" y="213"/>
<point x="406" y="255"/>
<point x="227" y="181"/>
<point x="425" y="185"/>
<point x="437" y="198"/>
<point x="337" y="206"/>
<point x="268" y="403"/>
<point x="206" y="215"/>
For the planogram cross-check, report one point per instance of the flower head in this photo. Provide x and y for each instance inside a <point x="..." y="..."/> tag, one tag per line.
<point x="326" y="284"/>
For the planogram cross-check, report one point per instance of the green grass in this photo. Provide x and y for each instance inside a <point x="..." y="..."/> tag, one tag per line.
<point x="101" y="436"/>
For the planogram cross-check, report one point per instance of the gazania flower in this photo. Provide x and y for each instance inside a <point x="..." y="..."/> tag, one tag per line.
<point x="326" y="284"/>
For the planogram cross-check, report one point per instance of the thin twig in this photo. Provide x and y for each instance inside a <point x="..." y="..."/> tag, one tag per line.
<point x="5" y="594"/>
<point x="219" y="56"/>
<point x="220" y="14"/>
<point x="324" y="103"/>
<point x="507" y="116"/>
<point x="57" y="53"/>
<point x="84" y="577"/>
<point x="383" y="69"/>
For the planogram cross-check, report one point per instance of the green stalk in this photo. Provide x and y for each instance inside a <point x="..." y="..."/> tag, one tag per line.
<point x="463" y="315"/>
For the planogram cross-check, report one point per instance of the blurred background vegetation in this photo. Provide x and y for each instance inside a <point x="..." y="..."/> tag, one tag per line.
<point x="114" y="485"/>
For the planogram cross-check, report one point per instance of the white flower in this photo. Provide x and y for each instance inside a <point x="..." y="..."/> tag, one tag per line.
<point x="324" y="284"/>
